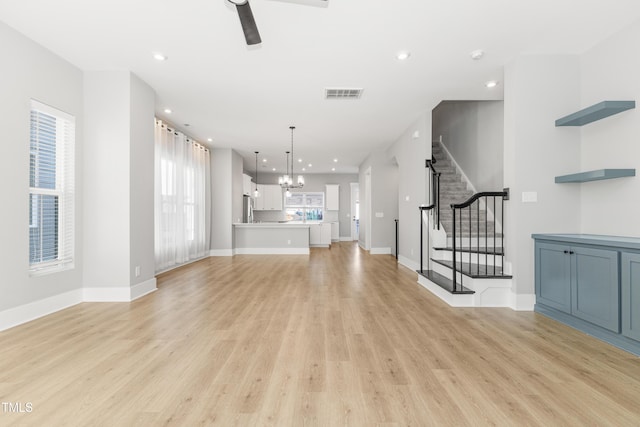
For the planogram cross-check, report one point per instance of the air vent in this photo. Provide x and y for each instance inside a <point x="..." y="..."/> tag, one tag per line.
<point x="342" y="93"/>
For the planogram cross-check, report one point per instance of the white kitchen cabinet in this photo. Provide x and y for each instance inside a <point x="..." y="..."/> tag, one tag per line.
<point x="335" y="231"/>
<point x="332" y="199"/>
<point x="320" y="234"/>
<point x="247" y="187"/>
<point x="270" y="198"/>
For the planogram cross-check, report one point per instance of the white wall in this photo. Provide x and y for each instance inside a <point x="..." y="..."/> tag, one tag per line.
<point x="106" y="178"/>
<point x="410" y="152"/>
<point x="119" y="165"/>
<point x="538" y="90"/>
<point x="222" y="199"/>
<point x="142" y="181"/>
<point x="384" y="200"/>
<point x="31" y="72"/>
<point x="610" y="72"/>
<point x="472" y="131"/>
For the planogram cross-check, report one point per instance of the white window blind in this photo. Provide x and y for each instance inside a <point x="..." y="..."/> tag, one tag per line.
<point x="51" y="189"/>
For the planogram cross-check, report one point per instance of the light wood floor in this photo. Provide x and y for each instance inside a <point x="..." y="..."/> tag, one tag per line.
<point x="331" y="339"/>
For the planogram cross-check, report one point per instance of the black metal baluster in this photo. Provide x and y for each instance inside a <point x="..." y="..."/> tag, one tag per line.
<point x="494" y="237"/>
<point x="454" y="249"/>
<point x="502" y="239"/>
<point x="478" y="237"/>
<point x="421" y="242"/>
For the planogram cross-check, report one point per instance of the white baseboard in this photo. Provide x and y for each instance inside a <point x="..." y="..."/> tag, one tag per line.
<point x="142" y="289"/>
<point x="346" y="239"/>
<point x="34" y="310"/>
<point x="107" y="294"/>
<point x="221" y="252"/>
<point x="523" y="302"/>
<point x="380" y="251"/>
<point x="409" y="263"/>
<point x="272" y="251"/>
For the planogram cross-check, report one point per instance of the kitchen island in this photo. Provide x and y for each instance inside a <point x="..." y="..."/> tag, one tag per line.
<point x="271" y="238"/>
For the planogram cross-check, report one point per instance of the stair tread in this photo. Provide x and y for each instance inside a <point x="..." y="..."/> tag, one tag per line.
<point x="475" y="271"/>
<point x="444" y="282"/>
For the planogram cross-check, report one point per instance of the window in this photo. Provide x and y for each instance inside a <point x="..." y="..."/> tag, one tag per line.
<point x="305" y="207"/>
<point x="51" y="189"/>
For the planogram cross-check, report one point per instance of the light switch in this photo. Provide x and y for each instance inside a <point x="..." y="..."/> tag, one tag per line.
<point x="529" y="196"/>
<point x="379" y="214"/>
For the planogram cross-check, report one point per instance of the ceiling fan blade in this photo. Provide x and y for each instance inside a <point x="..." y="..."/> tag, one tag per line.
<point x="251" y="34"/>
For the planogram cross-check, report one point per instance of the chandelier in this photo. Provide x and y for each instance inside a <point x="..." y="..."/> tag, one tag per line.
<point x="286" y="181"/>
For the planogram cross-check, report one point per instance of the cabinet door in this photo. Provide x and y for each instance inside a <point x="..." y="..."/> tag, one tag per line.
<point x="259" y="201"/>
<point x="631" y="295"/>
<point x="553" y="276"/>
<point x="275" y="197"/>
<point x="332" y="197"/>
<point x="325" y="233"/>
<point x="595" y="291"/>
<point x="314" y="234"/>
<point x="246" y="185"/>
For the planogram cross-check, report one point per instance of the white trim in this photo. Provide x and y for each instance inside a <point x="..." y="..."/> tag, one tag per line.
<point x="272" y="251"/>
<point x="457" y="300"/>
<point x="409" y="263"/>
<point x="142" y="289"/>
<point x="522" y="302"/>
<point x="346" y="239"/>
<point x="221" y="252"/>
<point x="36" y="309"/>
<point x="380" y="251"/>
<point x="107" y="294"/>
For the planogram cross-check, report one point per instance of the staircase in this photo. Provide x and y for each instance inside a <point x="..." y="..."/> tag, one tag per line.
<point x="465" y="268"/>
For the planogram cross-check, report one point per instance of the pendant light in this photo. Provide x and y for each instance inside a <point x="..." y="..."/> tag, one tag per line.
<point x="286" y="181"/>
<point x="256" y="193"/>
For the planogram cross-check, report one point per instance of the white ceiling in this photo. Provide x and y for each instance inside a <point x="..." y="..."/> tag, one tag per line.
<point x="246" y="98"/>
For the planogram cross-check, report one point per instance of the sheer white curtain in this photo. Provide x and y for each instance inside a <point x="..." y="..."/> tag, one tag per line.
<point x="182" y="198"/>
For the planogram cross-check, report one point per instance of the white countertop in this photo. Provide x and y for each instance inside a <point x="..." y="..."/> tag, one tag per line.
<point x="272" y="225"/>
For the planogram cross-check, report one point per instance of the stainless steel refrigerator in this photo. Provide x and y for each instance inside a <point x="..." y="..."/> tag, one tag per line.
<point x="247" y="209"/>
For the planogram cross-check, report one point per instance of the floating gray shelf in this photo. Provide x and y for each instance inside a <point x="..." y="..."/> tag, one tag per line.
<point x="596" y="175"/>
<point x="595" y="112"/>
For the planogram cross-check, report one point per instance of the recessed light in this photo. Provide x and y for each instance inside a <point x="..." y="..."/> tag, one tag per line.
<point x="209" y="140"/>
<point x="167" y="110"/>
<point x="333" y="169"/>
<point x="274" y="169"/>
<point x="477" y="54"/>
<point x="264" y="160"/>
<point x="160" y="57"/>
<point x="335" y="160"/>
<point x="402" y="55"/>
<point x="491" y="84"/>
<point x="304" y="169"/>
<point x="309" y="165"/>
<point x="299" y="160"/>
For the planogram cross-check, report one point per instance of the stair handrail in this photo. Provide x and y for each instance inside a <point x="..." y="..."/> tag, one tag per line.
<point x="504" y="195"/>
<point x="435" y="187"/>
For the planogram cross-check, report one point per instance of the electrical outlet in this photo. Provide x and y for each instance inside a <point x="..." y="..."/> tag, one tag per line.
<point x="137" y="271"/>
<point x="288" y="242"/>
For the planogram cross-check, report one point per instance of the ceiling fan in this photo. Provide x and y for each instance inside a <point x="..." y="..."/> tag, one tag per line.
<point x="249" y="27"/>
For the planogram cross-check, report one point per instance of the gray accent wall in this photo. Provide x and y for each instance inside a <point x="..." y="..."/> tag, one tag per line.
<point x="30" y="71"/>
<point x="473" y="132"/>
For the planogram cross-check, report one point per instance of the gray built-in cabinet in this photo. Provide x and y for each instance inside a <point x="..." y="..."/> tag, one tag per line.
<point x="592" y="283"/>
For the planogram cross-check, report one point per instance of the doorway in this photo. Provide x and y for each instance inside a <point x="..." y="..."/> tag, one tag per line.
<point x="355" y="211"/>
